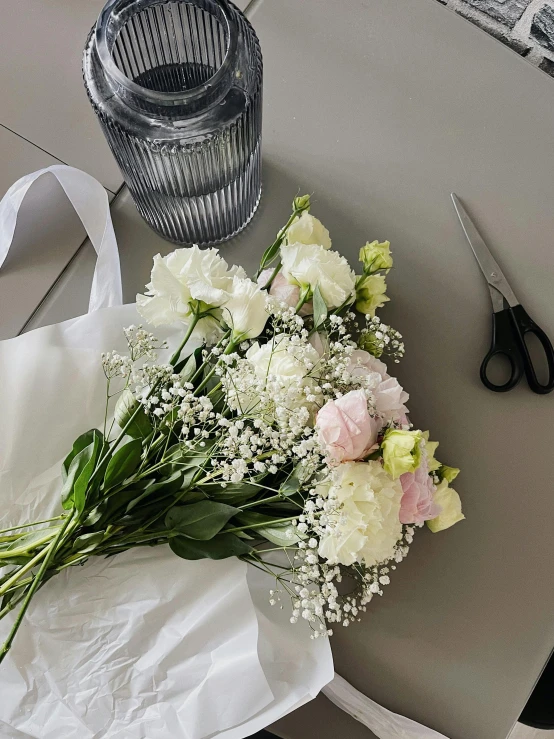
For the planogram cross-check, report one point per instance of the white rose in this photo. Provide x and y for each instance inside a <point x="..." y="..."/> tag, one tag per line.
<point x="367" y="525"/>
<point x="245" y="309"/>
<point x="280" y="359"/>
<point x="183" y="280"/>
<point x="310" y="265"/>
<point x="306" y="229"/>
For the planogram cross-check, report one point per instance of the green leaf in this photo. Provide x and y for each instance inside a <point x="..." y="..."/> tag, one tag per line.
<point x="293" y="482"/>
<point x="179" y="457"/>
<point x="283" y="535"/>
<point x="15" y="560"/>
<point x="216" y="396"/>
<point x="292" y="504"/>
<point x="270" y="253"/>
<point x="232" y="493"/>
<point x="87" y="542"/>
<point x="78" y="445"/>
<point x="123" y="463"/>
<point x="190" y="366"/>
<point x="78" y="475"/>
<point x="126" y="406"/>
<point x="6" y="599"/>
<point x="27" y="541"/>
<point x="220" y="547"/>
<point x="167" y="486"/>
<point x="201" y="520"/>
<point x="320" y="307"/>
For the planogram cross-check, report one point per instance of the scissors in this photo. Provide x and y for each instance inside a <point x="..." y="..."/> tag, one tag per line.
<point x="510" y="322"/>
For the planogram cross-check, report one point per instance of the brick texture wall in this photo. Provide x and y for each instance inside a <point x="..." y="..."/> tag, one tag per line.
<point x="527" y="26"/>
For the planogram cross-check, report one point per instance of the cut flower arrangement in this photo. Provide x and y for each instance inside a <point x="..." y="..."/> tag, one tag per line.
<point x="273" y="433"/>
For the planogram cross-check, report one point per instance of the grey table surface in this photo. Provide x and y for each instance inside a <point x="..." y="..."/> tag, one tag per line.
<point x="381" y="109"/>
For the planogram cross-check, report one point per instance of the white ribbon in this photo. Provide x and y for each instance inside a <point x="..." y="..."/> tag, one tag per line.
<point x="383" y="723"/>
<point x="90" y="200"/>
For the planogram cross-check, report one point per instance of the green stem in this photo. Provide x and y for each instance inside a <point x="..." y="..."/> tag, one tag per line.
<point x="304" y="295"/>
<point x="262" y="524"/>
<point x="219" y="343"/>
<point x="23" y="550"/>
<point x="278" y="241"/>
<point x="22" y="570"/>
<point x="11" y="605"/>
<point x="175" y="357"/>
<point x="35" y="523"/>
<point x="262" y="501"/>
<point x="231" y="346"/>
<point x="215" y="388"/>
<point x="50" y="552"/>
<point x="272" y="276"/>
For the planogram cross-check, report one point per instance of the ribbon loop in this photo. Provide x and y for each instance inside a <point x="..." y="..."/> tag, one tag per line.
<point x="90" y="200"/>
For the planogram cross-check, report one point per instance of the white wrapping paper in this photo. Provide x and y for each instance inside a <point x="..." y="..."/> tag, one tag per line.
<point x="142" y="644"/>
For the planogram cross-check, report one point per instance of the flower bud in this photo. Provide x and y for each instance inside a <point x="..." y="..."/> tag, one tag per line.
<point x="401" y="451"/>
<point x="302" y="202"/>
<point x="375" y="256"/>
<point x="370" y="293"/>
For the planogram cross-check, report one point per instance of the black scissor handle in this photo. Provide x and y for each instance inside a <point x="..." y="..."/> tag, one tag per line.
<point x="504" y="343"/>
<point x="524" y="324"/>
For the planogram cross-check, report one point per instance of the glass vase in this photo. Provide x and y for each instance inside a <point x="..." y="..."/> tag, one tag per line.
<point x="177" y="88"/>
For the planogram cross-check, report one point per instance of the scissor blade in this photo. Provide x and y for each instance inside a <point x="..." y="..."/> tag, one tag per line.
<point x="489" y="266"/>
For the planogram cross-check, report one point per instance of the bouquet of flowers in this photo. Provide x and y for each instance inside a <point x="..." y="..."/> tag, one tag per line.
<point x="274" y="433"/>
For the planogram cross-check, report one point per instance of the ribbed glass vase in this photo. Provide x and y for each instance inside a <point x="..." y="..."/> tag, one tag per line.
<point x="177" y="87"/>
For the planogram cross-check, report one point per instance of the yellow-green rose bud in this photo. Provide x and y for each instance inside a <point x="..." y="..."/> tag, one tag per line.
<point x="448" y="473"/>
<point x="376" y="256"/>
<point x="431" y="448"/>
<point x="302" y="202"/>
<point x="370" y="293"/>
<point x="451" y="505"/>
<point x="401" y="451"/>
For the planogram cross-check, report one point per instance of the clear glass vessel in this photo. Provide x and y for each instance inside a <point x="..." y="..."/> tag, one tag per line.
<point x="177" y="87"/>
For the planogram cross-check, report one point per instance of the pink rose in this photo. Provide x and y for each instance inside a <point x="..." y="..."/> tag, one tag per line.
<point x="363" y="363"/>
<point x="417" y="503"/>
<point x="346" y="429"/>
<point x="284" y="291"/>
<point x="390" y="397"/>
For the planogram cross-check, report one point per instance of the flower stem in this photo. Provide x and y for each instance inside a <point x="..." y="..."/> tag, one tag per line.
<point x="262" y="524"/>
<point x="22" y="550"/>
<point x="22" y="570"/>
<point x="11" y="605"/>
<point x="35" y="523"/>
<point x="228" y="350"/>
<point x="272" y="276"/>
<point x="304" y="295"/>
<point x="270" y="253"/>
<point x="50" y="552"/>
<point x="175" y="357"/>
<point x="262" y="501"/>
